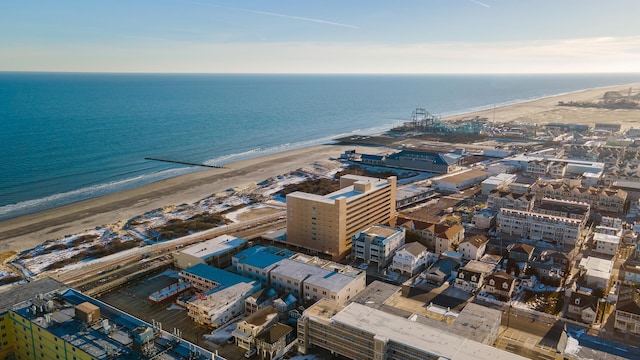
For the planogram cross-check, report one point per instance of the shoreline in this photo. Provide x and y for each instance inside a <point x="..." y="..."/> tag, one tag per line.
<point x="27" y="231"/>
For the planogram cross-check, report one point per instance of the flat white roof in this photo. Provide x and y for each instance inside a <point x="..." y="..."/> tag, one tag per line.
<point x="597" y="267"/>
<point x="606" y="238"/>
<point x="417" y="335"/>
<point x="310" y="274"/>
<point x="213" y="246"/>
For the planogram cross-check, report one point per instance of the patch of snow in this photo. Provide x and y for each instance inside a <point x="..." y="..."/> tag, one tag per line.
<point x="175" y="307"/>
<point x="572" y="347"/>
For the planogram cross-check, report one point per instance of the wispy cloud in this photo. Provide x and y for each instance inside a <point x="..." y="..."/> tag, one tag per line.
<point x="285" y="16"/>
<point x="480" y="3"/>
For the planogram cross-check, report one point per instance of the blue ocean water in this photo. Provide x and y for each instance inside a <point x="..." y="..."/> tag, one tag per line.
<point x="69" y="137"/>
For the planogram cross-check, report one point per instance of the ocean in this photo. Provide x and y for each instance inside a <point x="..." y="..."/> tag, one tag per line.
<point x="67" y="137"/>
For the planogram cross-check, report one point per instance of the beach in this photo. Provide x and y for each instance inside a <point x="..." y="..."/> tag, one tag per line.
<point x="28" y="231"/>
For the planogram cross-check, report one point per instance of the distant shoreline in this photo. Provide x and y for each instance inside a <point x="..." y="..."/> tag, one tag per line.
<point x="28" y="231"/>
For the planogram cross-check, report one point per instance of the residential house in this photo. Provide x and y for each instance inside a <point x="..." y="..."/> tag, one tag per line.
<point x="440" y="237"/>
<point x="472" y="248"/>
<point x="272" y="342"/>
<point x="440" y="271"/>
<point x="471" y="276"/>
<point x="606" y="243"/>
<point x="551" y="267"/>
<point x="628" y="315"/>
<point x="520" y="252"/>
<point x="484" y="219"/>
<point x="501" y="285"/>
<point x="596" y="272"/>
<point x="247" y="329"/>
<point x="582" y="307"/>
<point x="410" y="259"/>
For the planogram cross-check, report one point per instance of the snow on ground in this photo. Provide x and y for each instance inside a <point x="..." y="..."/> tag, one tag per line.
<point x="175" y="306"/>
<point x="572" y="347"/>
<point x="39" y="258"/>
<point x="221" y="335"/>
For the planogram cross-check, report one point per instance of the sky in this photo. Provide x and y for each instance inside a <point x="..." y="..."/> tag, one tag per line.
<point x="328" y="36"/>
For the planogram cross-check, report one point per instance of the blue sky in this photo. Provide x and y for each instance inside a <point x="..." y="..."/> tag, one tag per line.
<point x="308" y="36"/>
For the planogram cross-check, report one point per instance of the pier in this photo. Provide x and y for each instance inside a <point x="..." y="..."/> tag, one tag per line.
<point x="184" y="162"/>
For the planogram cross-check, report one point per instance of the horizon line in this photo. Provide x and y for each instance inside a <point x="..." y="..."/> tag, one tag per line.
<point x="312" y="73"/>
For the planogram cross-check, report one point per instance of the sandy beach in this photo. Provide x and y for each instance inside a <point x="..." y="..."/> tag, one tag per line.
<point x="31" y="230"/>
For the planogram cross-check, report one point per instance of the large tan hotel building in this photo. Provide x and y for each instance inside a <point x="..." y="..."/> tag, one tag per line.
<point x="327" y="223"/>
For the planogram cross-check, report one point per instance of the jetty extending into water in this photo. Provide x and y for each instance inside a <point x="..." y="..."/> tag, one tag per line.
<point x="184" y="162"/>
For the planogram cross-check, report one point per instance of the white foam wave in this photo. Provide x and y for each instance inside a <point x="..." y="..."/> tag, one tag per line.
<point x="60" y="199"/>
<point x="257" y="152"/>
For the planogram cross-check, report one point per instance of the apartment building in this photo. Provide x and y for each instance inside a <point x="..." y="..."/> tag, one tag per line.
<point x="436" y="237"/>
<point x="307" y="281"/>
<point x="601" y="199"/>
<point x="510" y="200"/>
<point x="377" y="244"/>
<point x="248" y="329"/>
<point x="327" y="223"/>
<point x="45" y="319"/>
<point x="542" y="227"/>
<point x="360" y="332"/>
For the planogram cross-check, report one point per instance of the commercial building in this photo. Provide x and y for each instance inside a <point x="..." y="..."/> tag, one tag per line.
<point x="416" y="160"/>
<point x="46" y="319"/>
<point x="221" y="294"/>
<point x="377" y="244"/>
<point x="360" y="332"/>
<point x="497" y="181"/>
<point x="460" y="181"/>
<point x="215" y="252"/>
<point x="326" y="223"/>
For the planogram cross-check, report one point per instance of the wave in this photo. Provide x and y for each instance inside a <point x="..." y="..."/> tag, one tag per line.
<point x="260" y="151"/>
<point x="66" y="198"/>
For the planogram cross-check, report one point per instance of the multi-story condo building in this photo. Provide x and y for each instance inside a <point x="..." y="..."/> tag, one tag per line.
<point x="564" y="208"/>
<point x="538" y="167"/>
<point x="541" y="227"/>
<point x="510" y="200"/>
<point x="306" y="281"/>
<point x="46" y="319"/>
<point x="600" y="199"/>
<point x="327" y="223"/>
<point x="377" y="244"/>
<point x="360" y="332"/>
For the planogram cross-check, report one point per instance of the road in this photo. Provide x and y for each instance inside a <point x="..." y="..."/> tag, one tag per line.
<point x="107" y="266"/>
